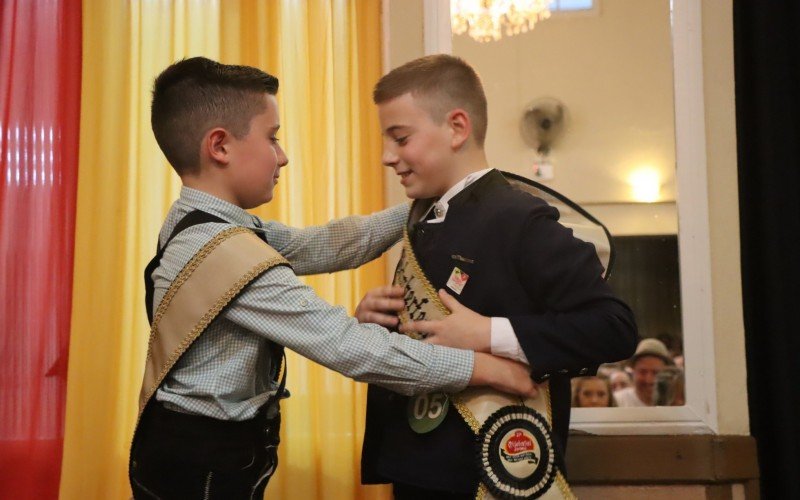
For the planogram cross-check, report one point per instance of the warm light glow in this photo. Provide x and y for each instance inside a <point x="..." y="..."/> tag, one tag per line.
<point x="485" y="20"/>
<point x="645" y="184"/>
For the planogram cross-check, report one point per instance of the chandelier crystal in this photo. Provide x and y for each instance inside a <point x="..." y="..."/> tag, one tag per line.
<point x="486" y="20"/>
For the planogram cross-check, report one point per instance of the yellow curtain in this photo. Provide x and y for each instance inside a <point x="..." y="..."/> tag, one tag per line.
<point x="327" y="56"/>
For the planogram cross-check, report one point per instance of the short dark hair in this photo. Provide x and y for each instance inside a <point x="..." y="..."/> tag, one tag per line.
<point x="194" y="95"/>
<point x="442" y="82"/>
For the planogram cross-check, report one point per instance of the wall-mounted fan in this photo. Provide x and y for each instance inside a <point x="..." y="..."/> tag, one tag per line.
<point x="543" y="123"/>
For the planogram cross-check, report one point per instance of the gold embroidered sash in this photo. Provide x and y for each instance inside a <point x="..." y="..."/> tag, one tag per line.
<point x="209" y="281"/>
<point x="516" y="454"/>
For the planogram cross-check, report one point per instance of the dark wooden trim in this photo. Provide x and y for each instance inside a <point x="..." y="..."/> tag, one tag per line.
<point x="678" y="459"/>
<point x="719" y="492"/>
<point x="752" y="489"/>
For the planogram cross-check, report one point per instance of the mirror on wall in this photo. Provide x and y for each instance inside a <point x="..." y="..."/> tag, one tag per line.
<point x="605" y="69"/>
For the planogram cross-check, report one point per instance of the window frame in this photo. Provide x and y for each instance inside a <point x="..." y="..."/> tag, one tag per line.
<point x="594" y="10"/>
<point x="699" y="415"/>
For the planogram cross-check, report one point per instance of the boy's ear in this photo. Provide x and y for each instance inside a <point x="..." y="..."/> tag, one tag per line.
<point x="460" y="125"/>
<point x="217" y="145"/>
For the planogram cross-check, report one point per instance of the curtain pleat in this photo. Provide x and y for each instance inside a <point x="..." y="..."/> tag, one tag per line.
<point x="326" y="54"/>
<point x="40" y="59"/>
<point x="767" y="69"/>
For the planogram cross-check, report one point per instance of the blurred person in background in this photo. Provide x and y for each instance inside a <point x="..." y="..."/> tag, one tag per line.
<point x="592" y="392"/>
<point x="619" y="380"/>
<point x="650" y="358"/>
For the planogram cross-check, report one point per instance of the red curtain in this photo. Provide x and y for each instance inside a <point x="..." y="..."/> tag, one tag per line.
<point x="40" y="70"/>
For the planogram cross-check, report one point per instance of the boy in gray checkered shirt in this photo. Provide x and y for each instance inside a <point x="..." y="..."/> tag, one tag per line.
<point x="203" y="432"/>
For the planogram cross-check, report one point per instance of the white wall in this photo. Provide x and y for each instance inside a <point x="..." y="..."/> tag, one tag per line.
<point x="613" y="71"/>
<point x="723" y="204"/>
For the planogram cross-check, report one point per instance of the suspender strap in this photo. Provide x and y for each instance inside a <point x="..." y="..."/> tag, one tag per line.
<point x="191" y="219"/>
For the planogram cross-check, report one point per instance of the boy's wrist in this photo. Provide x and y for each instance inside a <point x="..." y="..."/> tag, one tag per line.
<point x="488" y="370"/>
<point x="502" y="375"/>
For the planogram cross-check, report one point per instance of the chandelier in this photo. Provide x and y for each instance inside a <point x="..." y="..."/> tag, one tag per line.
<point x="485" y="20"/>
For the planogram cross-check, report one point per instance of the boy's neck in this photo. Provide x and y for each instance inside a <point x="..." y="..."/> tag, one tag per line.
<point x="210" y="186"/>
<point x="466" y="163"/>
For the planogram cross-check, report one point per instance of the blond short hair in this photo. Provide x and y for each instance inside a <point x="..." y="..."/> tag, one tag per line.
<point x="442" y="83"/>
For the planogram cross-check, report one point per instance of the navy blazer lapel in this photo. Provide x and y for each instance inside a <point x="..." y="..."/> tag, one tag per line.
<point x="493" y="179"/>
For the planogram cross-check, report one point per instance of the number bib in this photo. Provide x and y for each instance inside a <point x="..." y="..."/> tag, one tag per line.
<point x="427" y="411"/>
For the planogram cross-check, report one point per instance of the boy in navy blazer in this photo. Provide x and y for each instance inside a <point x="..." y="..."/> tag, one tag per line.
<point x="518" y="283"/>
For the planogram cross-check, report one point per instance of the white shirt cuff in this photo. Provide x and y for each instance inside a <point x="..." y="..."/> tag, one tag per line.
<point x="504" y="341"/>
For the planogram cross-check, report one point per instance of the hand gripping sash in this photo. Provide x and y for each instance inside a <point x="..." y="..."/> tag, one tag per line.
<point x="216" y="274"/>
<point x="514" y="446"/>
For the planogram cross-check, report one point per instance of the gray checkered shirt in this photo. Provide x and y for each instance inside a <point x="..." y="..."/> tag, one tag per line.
<point x="225" y="373"/>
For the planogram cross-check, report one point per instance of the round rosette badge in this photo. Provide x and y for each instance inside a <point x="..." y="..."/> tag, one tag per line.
<point x="515" y="450"/>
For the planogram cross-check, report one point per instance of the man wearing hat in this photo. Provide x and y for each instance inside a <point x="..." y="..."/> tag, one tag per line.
<point x="651" y="357"/>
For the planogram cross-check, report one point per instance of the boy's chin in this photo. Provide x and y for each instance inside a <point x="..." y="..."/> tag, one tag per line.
<point x="415" y="193"/>
<point x="256" y="202"/>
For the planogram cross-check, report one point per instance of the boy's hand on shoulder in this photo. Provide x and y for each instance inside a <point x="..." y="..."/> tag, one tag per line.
<point x="504" y="375"/>
<point x="381" y="305"/>
<point x="463" y="328"/>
